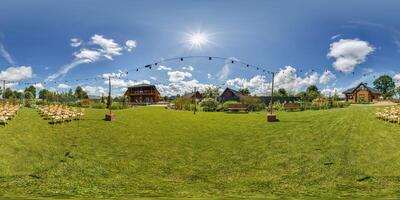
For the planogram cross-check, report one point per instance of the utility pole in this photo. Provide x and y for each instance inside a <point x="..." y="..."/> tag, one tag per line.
<point x="194" y="101"/>
<point x="4" y="93"/>
<point x="109" y="116"/>
<point x="271" y="117"/>
<point x="109" y="94"/>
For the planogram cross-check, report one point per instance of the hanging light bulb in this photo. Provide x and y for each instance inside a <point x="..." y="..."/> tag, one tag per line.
<point x="209" y="58"/>
<point x="181" y="59"/>
<point x="232" y="61"/>
<point x="155" y="64"/>
<point x="137" y="70"/>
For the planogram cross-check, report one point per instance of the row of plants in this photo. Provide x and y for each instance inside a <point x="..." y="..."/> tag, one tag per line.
<point x="253" y="105"/>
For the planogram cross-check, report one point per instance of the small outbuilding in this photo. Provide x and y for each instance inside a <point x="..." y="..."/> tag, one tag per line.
<point x="230" y="95"/>
<point x="362" y="93"/>
<point x="197" y="95"/>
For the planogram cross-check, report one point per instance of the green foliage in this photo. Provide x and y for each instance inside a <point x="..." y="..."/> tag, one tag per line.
<point x="28" y="95"/>
<point x="209" y="105"/>
<point x="245" y="91"/>
<point x="385" y="85"/>
<point x="226" y="104"/>
<point x="99" y="105"/>
<point x="211" y="92"/>
<point x="182" y="103"/>
<point x="8" y="94"/>
<point x="118" y="106"/>
<point x="312" y="93"/>
<point x="253" y="103"/>
<point x="282" y="92"/>
<point x="32" y="90"/>
<point x="80" y="94"/>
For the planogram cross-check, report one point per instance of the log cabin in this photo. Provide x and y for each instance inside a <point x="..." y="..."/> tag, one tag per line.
<point x="230" y="95"/>
<point x="143" y="94"/>
<point x="362" y="93"/>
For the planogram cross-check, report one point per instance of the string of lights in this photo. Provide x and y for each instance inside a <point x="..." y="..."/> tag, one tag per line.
<point x="123" y="74"/>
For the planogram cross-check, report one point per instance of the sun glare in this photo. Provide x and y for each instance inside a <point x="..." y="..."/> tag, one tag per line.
<point x="197" y="40"/>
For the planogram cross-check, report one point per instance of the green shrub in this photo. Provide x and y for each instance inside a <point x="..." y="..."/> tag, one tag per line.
<point x="118" y="106"/>
<point x="253" y="103"/>
<point x="99" y="105"/>
<point x="182" y="103"/>
<point x="209" y="105"/>
<point x="226" y="104"/>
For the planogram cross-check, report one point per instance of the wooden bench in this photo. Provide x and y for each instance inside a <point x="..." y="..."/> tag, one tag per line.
<point x="291" y="106"/>
<point x="237" y="108"/>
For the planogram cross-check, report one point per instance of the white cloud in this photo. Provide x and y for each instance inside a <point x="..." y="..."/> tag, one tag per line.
<point x="286" y="78"/>
<point x="189" y="68"/>
<point x="349" y="53"/>
<point x="75" y="42"/>
<point x="98" y="48"/>
<point x="332" y="91"/>
<point x="130" y="44"/>
<point x="176" y="76"/>
<point x="181" y="87"/>
<point x="120" y="83"/>
<point x="397" y="79"/>
<point x="209" y="76"/>
<point x="257" y="85"/>
<point x="16" y="73"/>
<point x="38" y="86"/>
<point x="118" y="74"/>
<point x="153" y="78"/>
<point x="108" y="47"/>
<point x="327" y="77"/>
<point x="94" y="90"/>
<point x="336" y="36"/>
<point x="7" y="56"/>
<point x="63" y="86"/>
<point x="225" y="71"/>
<point x="162" y="67"/>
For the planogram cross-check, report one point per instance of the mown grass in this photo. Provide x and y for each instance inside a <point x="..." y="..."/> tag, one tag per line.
<point x="153" y="152"/>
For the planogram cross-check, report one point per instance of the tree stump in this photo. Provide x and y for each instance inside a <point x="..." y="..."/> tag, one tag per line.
<point x="271" y="118"/>
<point x="110" y="117"/>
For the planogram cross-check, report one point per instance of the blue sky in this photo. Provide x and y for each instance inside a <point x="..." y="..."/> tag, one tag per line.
<point x="332" y="44"/>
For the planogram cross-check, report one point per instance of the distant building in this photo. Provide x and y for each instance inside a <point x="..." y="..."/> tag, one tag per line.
<point x="143" y="94"/>
<point x="362" y="93"/>
<point x="95" y="99"/>
<point x="230" y="95"/>
<point x="192" y="95"/>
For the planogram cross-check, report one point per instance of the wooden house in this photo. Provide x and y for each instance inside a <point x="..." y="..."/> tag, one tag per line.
<point x="192" y="95"/>
<point x="230" y="95"/>
<point x="143" y="94"/>
<point x="362" y="93"/>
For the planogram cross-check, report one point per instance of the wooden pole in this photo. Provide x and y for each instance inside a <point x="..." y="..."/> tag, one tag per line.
<point x="194" y="101"/>
<point x="272" y="93"/>
<point x="4" y="93"/>
<point x="109" y="94"/>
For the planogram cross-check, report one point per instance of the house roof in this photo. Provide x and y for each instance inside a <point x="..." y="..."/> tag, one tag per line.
<point x="235" y="92"/>
<point x="191" y="94"/>
<point x="141" y="85"/>
<point x="372" y="90"/>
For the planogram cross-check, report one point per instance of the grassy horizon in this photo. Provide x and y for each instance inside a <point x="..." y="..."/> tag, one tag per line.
<point x="154" y="152"/>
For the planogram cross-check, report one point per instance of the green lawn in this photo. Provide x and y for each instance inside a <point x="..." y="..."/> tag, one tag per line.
<point x="153" y="152"/>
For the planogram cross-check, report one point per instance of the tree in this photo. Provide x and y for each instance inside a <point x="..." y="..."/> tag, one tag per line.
<point x="282" y="92"/>
<point x="28" y="95"/>
<point x="31" y="89"/>
<point x="211" y="92"/>
<point x="209" y="105"/>
<point x="385" y="85"/>
<point x="312" y="92"/>
<point x="397" y="91"/>
<point x="44" y="94"/>
<point x="244" y="91"/>
<point x="80" y="94"/>
<point x="8" y="93"/>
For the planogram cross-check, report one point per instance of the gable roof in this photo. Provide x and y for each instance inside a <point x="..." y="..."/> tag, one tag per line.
<point x="190" y="95"/>
<point x="372" y="90"/>
<point x="235" y="92"/>
<point x="141" y="85"/>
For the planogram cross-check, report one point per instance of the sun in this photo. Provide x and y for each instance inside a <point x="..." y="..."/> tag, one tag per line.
<point x="197" y="40"/>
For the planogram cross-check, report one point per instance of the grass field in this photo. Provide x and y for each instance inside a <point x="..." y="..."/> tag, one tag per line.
<point x="153" y="152"/>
